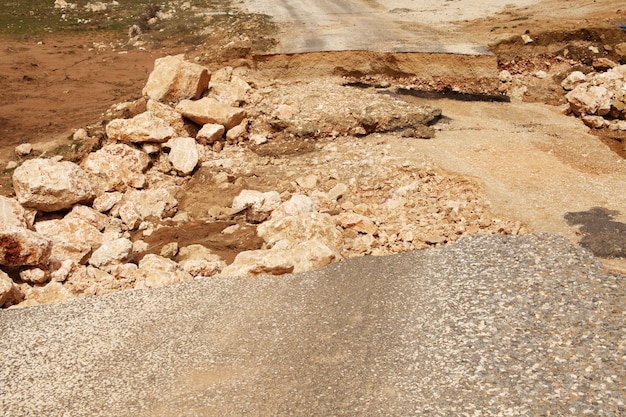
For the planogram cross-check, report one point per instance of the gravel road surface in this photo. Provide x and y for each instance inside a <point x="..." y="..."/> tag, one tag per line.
<point x="492" y="325"/>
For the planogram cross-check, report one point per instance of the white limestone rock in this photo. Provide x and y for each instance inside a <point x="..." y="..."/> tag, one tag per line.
<point x="111" y="253"/>
<point x="156" y="271"/>
<point x="34" y="275"/>
<point x="285" y="257"/>
<point x="589" y="99"/>
<point x="20" y="246"/>
<point x="209" y="110"/>
<point x="71" y="238"/>
<point x="572" y="80"/>
<point x="145" y="127"/>
<point x="23" y="149"/>
<point x="184" y="155"/>
<point x="337" y="191"/>
<point x="301" y="227"/>
<point x="357" y="222"/>
<point x="173" y="79"/>
<point x="232" y="92"/>
<point x="118" y="166"/>
<point x="12" y="213"/>
<point x="169" y="250"/>
<point x="106" y="201"/>
<point x="9" y="292"/>
<point x="91" y="216"/>
<point x="171" y="116"/>
<point x="155" y="203"/>
<point x="256" y="200"/>
<point x="210" y="133"/>
<point x="47" y="185"/>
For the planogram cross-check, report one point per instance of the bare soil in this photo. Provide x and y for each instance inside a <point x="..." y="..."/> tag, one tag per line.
<point x="53" y="85"/>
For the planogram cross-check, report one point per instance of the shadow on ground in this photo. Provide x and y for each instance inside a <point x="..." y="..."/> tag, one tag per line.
<point x="601" y="234"/>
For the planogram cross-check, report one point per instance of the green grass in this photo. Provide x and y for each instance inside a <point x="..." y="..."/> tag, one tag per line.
<point x="27" y="18"/>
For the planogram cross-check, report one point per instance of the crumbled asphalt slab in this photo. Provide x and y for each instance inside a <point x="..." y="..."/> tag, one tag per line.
<point x="493" y="325"/>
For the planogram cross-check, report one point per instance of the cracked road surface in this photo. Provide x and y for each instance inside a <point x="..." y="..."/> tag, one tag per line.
<point x="376" y="26"/>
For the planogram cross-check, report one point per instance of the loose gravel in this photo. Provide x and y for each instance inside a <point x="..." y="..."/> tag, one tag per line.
<point x="489" y="326"/>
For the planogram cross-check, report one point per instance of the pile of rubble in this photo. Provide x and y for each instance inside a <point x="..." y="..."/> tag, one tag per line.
<point x="599" y="98"/>
<point x="82" y="229"/>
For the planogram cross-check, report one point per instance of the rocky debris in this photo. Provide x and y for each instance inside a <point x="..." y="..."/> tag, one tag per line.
<point x="174" y="79"/>
<point x="9" y="291"/>
<point x="304" y="110"/>
<point x="220" y="159"/>
<point x="258" y="205"/>
<point x="572" y="80"/>
<point x="209" y="110"/>
<point x="71" y="238"/>
<point x="198" y="260"/>
<point x="183" y="154"/>
<point x="145" y="127"/>
<point x="154" y="203"/>
<point x="118" y="166"/>
<point x="210" y="133"/>
<point x="20" y="246"/>
<point x="12" y="213"/>
<point x="599" y="98"/>
<point x="23" y="150"/>
<point x="49" y="185"/>
<point x="156" y="271"/>
<point x="232" y="91"/>
<point x="111" y="253"/>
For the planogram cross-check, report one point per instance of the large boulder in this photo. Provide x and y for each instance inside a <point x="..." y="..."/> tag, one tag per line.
<point x="306" y="226"/>
<point x="184" y="154"/>
<point x="48" y="185"/>
<point x="20" y="246"/>
<point x="173" y="79"/>
<point x="119" y="166"/>
<point x="72" y="239"/>
<point x="145" y="127"/>
<point x="209" y="110"/>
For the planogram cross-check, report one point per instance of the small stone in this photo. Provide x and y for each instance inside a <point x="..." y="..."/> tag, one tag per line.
<point x="24" y="149"/>
<point x="526" y="39"/>
<point x="337" y="191"/>
<point x="210" y="133"/>
<point x="308" y="181"/>
<point x="183" y="155"/>
<point x="169" y="250"/>
<point x="34" y="275"/>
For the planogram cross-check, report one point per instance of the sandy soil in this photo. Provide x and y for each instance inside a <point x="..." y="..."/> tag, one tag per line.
<point x="535" y="164"/>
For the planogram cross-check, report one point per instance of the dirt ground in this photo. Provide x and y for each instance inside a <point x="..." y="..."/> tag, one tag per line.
<point x="52" y="85"/>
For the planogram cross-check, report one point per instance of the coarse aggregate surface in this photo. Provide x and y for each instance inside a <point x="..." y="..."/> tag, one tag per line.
<point x="492" y="325"/>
